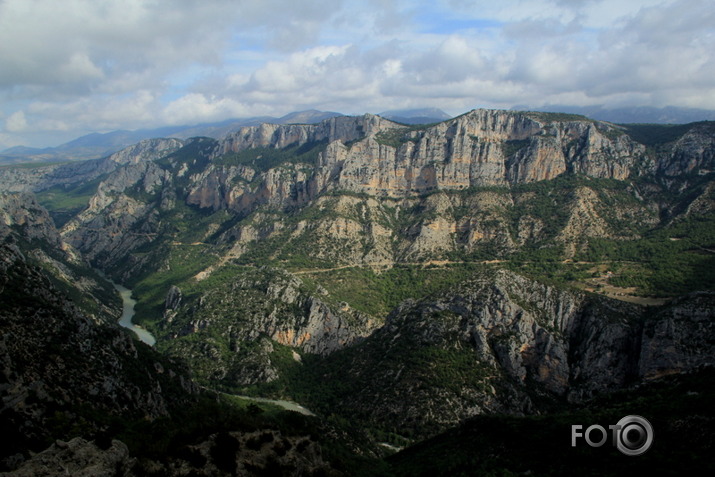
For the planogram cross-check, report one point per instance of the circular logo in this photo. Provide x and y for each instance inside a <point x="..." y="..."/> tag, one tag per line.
<point x="634" y="435"/>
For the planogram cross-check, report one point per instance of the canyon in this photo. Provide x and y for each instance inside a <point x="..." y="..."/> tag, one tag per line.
<point x="402" y="279"/>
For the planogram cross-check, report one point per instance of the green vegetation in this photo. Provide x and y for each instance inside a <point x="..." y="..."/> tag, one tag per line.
<point x="88" y="301"/>
<point x="396" y="137"/>
<point x="194" y="156"/>
<point x="392" y="137"/>
<point x="556" y="117"/>
<point x="64" y="275"/>
<point x="659" y="134"/>
<point x="326" y="386"/>
<point x="170" y="437"/>
<point x="190" y="224"/>
<point x="264" y="158"/>
<point x="510" y="148"/>
<point x="378" y="293"/>
<point x="670" y="261"/>
<point x="182" y="263"/>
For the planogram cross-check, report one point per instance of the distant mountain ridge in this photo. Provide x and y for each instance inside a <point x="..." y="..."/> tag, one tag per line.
<point x="96" y="145"/>
<point x="416" y="116"/>
<point x="635" y="115"/>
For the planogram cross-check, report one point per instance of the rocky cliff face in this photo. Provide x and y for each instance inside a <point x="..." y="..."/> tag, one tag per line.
<point x="481" y="148"/>
<point x="693" y="153"/>
<point x="28" y="226"/>
<point x="231" y="331"/>
<point x="504" y="343"/>
<point x="117" y="219"/>
<point x="344" y="129"/>
<point x="377" y="157"/>
<point x="288" y="168"/>
<point x="679" y="337"/>
<point x="21" y="214"/>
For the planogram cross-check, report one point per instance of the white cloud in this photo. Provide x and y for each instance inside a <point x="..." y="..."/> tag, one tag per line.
<point x="81" y="41"/>
<point x="94" y="113"/>
<point x="196" y="107"/>
<point x="80" y="65"/>
<point x="16" y="122"/>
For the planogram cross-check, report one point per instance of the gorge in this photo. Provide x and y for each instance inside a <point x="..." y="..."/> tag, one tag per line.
<point x="400" y="281"/>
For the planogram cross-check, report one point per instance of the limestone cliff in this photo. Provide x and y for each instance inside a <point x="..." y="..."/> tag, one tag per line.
<point x="693" y="153"/>
<point x="343" y="129"/>
<point x="28" y="226"/>
<point x="20" y="213"/>
<point x="377" y="157"/>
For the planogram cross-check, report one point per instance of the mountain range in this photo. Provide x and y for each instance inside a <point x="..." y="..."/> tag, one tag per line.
<point x="417" y="285"/>
<point x="97" y="145"/>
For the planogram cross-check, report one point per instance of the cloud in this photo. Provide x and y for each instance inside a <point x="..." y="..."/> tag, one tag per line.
<point x="197" y="107"/>
<point x="83" y="42"/>
<point x="94" y="113"/>
<point x="83" y="65"/>
<point x="16" y="122"/>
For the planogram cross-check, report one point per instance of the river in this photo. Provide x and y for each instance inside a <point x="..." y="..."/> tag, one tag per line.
<point x="128" y="314"/>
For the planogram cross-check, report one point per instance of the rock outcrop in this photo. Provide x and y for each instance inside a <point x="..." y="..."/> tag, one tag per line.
<point x="21" y="214"/>
<point x="78" y="458"/>
<point x="693" y="153"/>
<point x="344" y="129"/>
<point x="231" y="331"/>
<point x="505" y="343"/>
<point x="28" y="225"/>
<point x="678" y="338"/>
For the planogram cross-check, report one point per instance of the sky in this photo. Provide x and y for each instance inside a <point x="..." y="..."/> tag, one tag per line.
<point x="72" y="67"/>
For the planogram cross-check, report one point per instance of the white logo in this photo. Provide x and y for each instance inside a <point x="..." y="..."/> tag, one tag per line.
<point x="633" y="435"/>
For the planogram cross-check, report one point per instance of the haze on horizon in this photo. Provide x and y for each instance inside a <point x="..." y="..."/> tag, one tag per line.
<point x="78" y="66"/>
